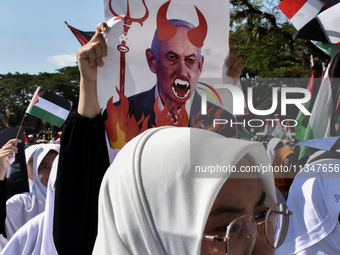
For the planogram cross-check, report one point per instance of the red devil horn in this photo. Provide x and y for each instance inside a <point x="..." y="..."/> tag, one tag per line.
<point x="165" y="29"/>
<point x="197" y="34"/>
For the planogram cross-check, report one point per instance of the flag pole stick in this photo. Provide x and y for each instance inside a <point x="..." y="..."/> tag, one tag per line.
<point x="22" y="121"/>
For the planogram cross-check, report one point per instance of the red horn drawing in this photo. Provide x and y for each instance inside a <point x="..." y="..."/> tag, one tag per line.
<point x="197" y="34"/>
<point x="165" y="30"/>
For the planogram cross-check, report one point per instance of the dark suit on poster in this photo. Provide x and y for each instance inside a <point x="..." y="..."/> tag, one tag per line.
<point x="143" y="103"/>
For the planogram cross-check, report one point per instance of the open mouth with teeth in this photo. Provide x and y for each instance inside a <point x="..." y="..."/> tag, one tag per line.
<point x="181" y="88"/>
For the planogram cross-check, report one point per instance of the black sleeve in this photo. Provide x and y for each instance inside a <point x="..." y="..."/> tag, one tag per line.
<point x="83" y="160"/>
<point x="3" y="198"/>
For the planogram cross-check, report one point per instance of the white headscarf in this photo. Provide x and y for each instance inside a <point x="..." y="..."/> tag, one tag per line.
<point x="23" y="207"/>
<point x="152" y="202"/>
<point x="314" y="199"/>
<point x="28" y="154"/>
<point x="3" y="242"/>
<point x="270" y="148"/>
<point x="30" y="150"/>
<point x="36" y="236"/>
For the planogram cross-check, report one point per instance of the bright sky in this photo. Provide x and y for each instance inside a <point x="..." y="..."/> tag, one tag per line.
<point x="34" y="37"/>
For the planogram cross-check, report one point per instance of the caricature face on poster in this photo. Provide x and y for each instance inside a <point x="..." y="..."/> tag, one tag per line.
<point x="158" y="52"/>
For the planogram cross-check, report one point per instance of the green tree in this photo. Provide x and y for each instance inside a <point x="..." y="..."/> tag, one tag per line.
<point x="16" y="91"/>
<point x="264" y="37"/>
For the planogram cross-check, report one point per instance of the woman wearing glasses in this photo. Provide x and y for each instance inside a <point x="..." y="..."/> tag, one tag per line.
<point x="172" y="191"/>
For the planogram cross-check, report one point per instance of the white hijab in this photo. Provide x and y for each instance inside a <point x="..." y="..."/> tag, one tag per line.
<point x="152" y="202"/>
<point x="36" y="236"/>
<point x="314" y="199"/>
<point x="270" y="148"/>
<point x="23" y="207"/>
<point x="28" y="154"/>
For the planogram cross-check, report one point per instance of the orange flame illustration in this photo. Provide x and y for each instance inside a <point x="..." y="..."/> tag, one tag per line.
<point x="165" y="119"/>
<point x="119" y="125"/>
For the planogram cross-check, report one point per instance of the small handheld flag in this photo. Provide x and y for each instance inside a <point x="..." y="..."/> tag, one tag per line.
<point x="323" y="28"/>
<point x="83" y="37"/>
<point x="49" y="107"/>
<point x="300" y="12"/>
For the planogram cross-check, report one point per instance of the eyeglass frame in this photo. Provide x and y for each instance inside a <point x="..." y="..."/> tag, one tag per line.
<point x="225" y="238"/>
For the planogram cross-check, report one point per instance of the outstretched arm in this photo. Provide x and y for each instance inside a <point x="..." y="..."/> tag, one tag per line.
<point x="89" y="57"/>
<point x="83" y="159"/>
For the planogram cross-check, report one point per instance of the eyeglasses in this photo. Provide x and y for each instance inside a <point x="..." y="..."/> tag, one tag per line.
<point x="241" y="233"/>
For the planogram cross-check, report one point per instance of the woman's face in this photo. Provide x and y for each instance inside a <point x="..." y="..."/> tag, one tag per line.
<point x="30" y="168"/>
<point x="46" y="166"/>
<point x="237" y="197"/>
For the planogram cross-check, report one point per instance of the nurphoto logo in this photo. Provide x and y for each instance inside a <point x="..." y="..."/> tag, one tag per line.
<point x="239" y="101"/>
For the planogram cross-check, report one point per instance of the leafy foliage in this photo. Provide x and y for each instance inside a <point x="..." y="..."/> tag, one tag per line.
<point x="261" y="33"/>
<point x="264" y="38"/>
<point x="16" y="91"/>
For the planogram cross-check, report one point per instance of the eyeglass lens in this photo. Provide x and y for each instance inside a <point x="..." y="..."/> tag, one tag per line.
<point x="277" y="225"/>
<point x="242" y="232"/>
<point x="242" y="235"/>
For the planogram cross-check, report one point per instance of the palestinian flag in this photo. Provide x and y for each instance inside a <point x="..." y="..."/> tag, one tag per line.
<point x="326" y="111"/>
<point x="302" y="119"/>
<point x="49" y="107"/>
<point x="288" y="131"/>
<point x="300" y="12"/>
<point x="324" y="27"/>
<point x="330" y="3"/>
<point x="83" y="37"/>
<point x="329" y="48"/>
<point x="268" y="129"/>
<point x="278" y="129"/>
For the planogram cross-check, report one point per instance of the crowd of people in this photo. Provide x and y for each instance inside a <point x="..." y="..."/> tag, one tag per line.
<point x="147" y="199"/>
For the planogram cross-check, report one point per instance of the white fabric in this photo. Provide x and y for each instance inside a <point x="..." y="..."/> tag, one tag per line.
<point x="30" y="184"/>
<point x="314" y="199"/>
<point x="30" y="150"/>
<point x="23" y="207"/>
<point x="314" y="155"/>
<point x="36" y="236"/>
<point x="3" y="242"/>
<point x="270" y="148"/>
<point x="307" y="12"/>
<point x="279" y="197"/>
<point x="28" y="154"/>
<point x="327" y="20"/>
<point x="152" y="202"/>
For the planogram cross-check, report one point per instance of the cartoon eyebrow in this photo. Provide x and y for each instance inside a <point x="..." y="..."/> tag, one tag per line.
<point x="192" y="55"/>
<point x="171" y="53"/>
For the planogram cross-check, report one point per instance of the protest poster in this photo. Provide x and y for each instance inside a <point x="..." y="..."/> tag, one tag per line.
<point x="132" y="67"/>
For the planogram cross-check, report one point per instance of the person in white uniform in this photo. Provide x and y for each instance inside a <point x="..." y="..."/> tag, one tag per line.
<point x="153" y="201"/>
